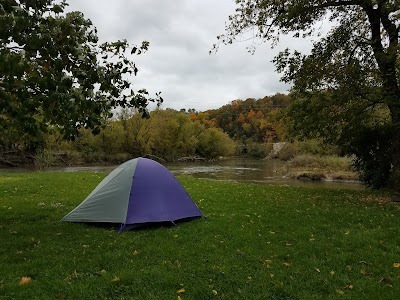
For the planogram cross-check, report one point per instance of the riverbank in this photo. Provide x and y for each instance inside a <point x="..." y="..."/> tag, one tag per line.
<point x="318" y="168"/>
<point x="301" y="167"/>
<point x="258" y="242"/>
<point x="237" y="169"/>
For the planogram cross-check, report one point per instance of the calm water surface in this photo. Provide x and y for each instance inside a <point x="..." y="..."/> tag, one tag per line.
<point x="241" y="170"/>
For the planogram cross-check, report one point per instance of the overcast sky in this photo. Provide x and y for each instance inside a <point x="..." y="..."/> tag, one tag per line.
<point x="181" y="34"/>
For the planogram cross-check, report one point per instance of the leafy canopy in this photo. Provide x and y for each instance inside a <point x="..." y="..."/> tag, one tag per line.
<point x="55" y="72"/>
<point x="363" y="40"/>
<point x="350" y="82"/>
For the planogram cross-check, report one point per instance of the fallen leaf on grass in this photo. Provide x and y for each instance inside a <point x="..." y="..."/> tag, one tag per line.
<point x="287" y="264"/>
<point x="386" y="281"/>
<point x="115" y="278"/>
<point x="316" y="269"/>
<point x="268" y="261"/>
<point x="25" y="280"/>
<point x="348" y="287"/>
<point x="180" y="291"/>
<point x="340" y="291"/>
<point x="396" y="265"/>
<point x="179" y="298"/>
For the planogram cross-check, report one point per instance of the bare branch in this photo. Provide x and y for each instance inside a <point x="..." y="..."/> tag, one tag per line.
<point x="336" y="4"/>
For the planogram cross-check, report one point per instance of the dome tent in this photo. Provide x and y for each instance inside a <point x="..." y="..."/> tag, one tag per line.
<point x="138" y="191"/>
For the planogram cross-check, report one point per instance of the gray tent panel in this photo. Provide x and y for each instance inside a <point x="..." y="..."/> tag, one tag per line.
<point x="97" y="207"/>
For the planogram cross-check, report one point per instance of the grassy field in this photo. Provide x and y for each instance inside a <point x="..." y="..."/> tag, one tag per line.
<point x="258" y="242"/>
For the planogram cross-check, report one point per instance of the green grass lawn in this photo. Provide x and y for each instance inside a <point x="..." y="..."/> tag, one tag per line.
<point x="258" y="242"/>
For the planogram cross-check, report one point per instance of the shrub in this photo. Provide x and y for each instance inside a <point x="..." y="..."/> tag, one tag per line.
<point x="119" y="158"/>
<point x="72" y="157"/>
<point x="329" y="163"/>
<point x="373" y="157"/>
<point x="259" y="150"/>
<point x="315" y="147"/>
<point x="94" y="157"/>
<point x="44" y="159"/>
<point x="288" y="151"/>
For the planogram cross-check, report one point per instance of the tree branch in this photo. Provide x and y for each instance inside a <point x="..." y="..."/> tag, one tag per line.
<point x="14" y="47"/>
<point x="19" y="48"/>
<point x="376" y="38"/>
<point x="337" y="3"/>
<point x="390" y="27"/>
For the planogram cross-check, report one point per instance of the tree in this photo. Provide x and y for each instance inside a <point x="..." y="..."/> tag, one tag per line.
<point x="213" y="142"/>
<point x="137" y="133"/>
<point x="54" y="71"/>
<point x="356" y="66"/>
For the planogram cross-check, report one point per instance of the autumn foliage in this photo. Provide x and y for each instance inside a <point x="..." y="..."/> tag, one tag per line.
<point x="256" y="119"/>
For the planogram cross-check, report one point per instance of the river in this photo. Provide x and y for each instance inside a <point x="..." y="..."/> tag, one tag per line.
<point x="240" y="170"/>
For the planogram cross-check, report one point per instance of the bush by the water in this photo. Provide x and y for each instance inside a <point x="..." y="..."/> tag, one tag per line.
<point x="249" y="148"/>
<point x="320" y="167"/>
<point x="309" y="147"/>
<point x="329" y="163"/>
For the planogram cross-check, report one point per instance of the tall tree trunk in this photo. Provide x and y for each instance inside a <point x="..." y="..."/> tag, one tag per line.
<point x="387" y="63"/>
<point x="395" y="174"/>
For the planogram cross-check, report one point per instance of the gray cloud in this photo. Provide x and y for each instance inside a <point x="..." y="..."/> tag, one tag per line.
<point x="178" y="63"/>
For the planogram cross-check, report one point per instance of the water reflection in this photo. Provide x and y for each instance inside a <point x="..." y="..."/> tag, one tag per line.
<point x="250" y="170"/>
<point x="241" y="170"/>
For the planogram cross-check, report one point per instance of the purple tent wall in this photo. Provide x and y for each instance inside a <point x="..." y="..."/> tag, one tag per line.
<point x="157" y="196"/>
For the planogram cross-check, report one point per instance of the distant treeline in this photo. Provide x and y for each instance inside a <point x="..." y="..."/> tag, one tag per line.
<point x="167" y="134"/>
<point x="242" y="127"/>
